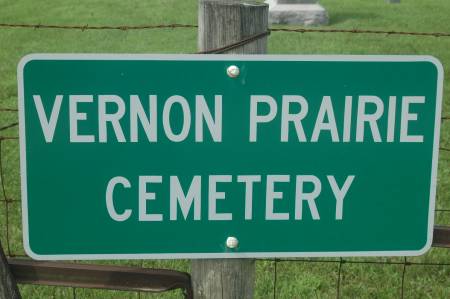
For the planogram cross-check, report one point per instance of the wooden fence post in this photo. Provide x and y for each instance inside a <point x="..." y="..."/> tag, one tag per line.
<point x="221" y="23"/>
<point x="8" y="286"/>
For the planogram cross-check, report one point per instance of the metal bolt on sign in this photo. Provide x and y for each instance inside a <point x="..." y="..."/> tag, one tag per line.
<point x="232" y="242"/>
<point x="233" y="71"/>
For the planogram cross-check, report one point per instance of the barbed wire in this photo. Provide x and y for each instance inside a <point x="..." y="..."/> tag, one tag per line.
<point x="9" y="126"/>
<point x="85" y="27"/>
<point x="338" y="286"/>
<point x="235" y="45"/>
<point x="362" y="261"/>
<point x="102" y="27"/>
<point x="5" y="200"/>
<point x="402" y="288"/>
<point x="361" y="31"/>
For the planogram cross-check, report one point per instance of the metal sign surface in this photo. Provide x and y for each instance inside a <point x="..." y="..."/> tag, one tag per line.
<point x="215" y="156"/>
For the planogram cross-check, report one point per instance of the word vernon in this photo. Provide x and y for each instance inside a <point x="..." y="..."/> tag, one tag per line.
<point x="307" y="190"/>
<point x="112" y="111"/>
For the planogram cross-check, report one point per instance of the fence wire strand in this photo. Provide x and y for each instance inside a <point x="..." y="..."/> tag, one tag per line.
<point x="275" y="277"/>
<point x="85" y="27"/>
<point x="7" y="201"/>
<point x="338" y="284"/>
<point x="403" y="277"/>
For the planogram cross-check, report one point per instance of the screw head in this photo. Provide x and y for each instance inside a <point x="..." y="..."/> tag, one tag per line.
<point x="232" y="242"/>
<point x="233" y="71"/>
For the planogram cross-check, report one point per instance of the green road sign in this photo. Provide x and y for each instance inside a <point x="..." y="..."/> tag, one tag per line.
<point x="190" y="156"/>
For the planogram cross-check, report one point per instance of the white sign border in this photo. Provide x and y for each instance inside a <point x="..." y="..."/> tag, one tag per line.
<point x="195" y="57"/>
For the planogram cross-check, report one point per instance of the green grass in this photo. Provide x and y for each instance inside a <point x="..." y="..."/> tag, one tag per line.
<point x="295" y="279"/>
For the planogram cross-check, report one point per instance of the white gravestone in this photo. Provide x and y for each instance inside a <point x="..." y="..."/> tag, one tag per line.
<point x="302" y="12"/>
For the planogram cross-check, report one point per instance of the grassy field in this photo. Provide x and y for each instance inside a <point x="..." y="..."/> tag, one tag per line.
<point x="295" y="279"/>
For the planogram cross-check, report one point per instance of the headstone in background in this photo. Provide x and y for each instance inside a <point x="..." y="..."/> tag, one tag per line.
<point x="393" y="1"/>
<point x="302" y="12"/>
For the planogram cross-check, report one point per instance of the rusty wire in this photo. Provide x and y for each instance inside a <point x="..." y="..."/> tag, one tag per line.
<point x="361" y="31"/>
<point x="85" y="27"/>
<point x="91" y="27"/>
<point x="235" y="45"/>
